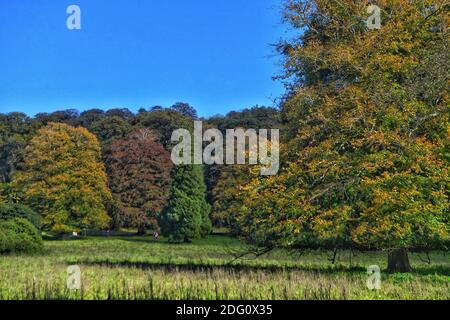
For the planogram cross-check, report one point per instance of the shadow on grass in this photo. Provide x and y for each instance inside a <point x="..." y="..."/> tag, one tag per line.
<point x="202" y="267"/>
<point x="432" y="270"/>
<point x="213" y="239"/>
<point x="242" y="267"/>
<point x="140" y="239"/>
<point x="150" y="240"/>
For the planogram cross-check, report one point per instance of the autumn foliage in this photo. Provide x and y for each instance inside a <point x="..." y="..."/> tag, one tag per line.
<point x="365" y="153"/>
<point x="139" y="172"/>
<point x="64" y="179"/>
<point x="366" y="160"/>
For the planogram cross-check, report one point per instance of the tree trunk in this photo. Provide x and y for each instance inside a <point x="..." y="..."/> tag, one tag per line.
<point x="187" y="240"/>
<point x="398" y="261"/>
<point x="141" y="231"/>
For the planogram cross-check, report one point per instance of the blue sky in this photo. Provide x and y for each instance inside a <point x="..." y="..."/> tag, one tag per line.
<point x="213" y="54"/>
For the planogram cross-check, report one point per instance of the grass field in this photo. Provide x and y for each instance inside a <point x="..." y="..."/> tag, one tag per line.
<point x="141" y="268"/>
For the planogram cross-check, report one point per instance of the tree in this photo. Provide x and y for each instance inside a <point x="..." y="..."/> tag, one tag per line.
<point x="16" y="131"/>
<point x="164" y="122"/>
<point x="367" y="157"/>
<point x="224" y="182"/>
<point x="226" y="196"/>
<point x="122" y="113"/>
<point x="89" y="117"/>
<point x="257" y="117"/>
<point x="139" y="172"/>
<point x="185" y="109"/>
<point x="64" y="179"/>
<point x="187" y="215"/>
<point x="68" y="116"/>
<point x="110" y="128"/>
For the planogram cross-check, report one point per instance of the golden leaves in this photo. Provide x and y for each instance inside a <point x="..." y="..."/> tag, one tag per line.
<point x="64" y="179"/>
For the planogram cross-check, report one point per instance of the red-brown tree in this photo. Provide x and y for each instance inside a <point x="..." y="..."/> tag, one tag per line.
<point x="139" y="172"/>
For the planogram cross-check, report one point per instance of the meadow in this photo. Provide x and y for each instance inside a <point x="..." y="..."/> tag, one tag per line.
<point x="132" y="267"/>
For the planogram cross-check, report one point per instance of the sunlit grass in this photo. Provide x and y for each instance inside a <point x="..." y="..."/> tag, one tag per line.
<point x="141" y="268"/>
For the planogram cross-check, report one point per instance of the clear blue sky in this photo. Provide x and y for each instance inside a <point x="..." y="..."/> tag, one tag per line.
<point x="213" y="54"/>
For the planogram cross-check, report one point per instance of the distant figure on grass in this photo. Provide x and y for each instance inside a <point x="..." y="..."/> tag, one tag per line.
<point x="155" y="235"/>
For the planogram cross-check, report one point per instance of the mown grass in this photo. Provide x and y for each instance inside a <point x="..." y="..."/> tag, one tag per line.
<point x="141" y="268"/>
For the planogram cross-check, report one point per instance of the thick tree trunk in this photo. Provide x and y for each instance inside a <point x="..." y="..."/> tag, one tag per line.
<point x="398" y="261"/>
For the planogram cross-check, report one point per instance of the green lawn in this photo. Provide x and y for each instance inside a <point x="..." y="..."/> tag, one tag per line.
<point x="141" y="268"/>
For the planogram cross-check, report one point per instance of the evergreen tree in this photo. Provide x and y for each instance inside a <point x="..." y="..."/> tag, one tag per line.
<point x="187" y="215"/>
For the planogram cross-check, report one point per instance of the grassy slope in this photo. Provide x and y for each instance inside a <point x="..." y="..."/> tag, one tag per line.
<point x="140" y="268"/>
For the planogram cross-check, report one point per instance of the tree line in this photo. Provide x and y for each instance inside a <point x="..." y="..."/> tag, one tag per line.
<point x="111" y="169"/>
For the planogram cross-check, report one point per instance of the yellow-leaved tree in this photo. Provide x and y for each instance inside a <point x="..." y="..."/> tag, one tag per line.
<point x="64" y="179"/>
<point x="367" y="132"/>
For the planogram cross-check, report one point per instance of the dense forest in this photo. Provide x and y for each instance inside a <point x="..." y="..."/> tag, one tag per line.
<point x="112" y="169"/>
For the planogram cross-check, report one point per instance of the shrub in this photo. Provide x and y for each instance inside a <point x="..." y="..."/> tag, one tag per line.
<point x="19" y="235"/>
<point x="13" y="210"/>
